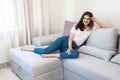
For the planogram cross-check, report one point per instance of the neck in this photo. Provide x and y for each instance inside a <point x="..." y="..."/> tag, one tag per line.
<point x="85" y="26"/>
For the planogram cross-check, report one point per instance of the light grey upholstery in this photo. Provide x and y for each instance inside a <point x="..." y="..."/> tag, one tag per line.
<point x="97" y="52"/>
<point x="35" y="65"/>
<point x="92" y="68"/>
<point x="102" y="44"/>
<point x="116" y="59"/>
<point x="45" y="40"/>
<point x="104" y="38"/>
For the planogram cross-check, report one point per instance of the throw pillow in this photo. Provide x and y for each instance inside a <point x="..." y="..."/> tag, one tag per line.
<point x="97" y="52"/>
<point x="67" y="27"/>
<point x="104" y="38"/>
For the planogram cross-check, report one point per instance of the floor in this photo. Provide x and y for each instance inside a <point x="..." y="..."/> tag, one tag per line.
<point x="7" y="74"/>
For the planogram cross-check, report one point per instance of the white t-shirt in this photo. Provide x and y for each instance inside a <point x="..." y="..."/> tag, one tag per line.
<point x="81" y="36"/>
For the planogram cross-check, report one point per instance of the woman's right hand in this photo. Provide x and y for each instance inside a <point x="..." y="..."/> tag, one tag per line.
<point x="101" y="25"/>
<point x="69" y="51"/>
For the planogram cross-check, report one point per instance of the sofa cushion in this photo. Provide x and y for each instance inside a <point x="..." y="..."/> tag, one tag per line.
<point x="67" y="27"/>
<point x="33" y="63"/>
<point x="97" y="52"/>
<point x="92" y="68"/>
<point x="104" y="38"/>
<point x="116" y="59"/>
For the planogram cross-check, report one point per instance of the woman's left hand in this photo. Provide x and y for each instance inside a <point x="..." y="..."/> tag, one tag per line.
<point x="69" y="51"/>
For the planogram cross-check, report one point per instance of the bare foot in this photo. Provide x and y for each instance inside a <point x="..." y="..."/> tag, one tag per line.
<point x="27" y="48"/>
<point x="50" y="55"/>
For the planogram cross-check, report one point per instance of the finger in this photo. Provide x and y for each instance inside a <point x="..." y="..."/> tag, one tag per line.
<point x="69" y="52"/>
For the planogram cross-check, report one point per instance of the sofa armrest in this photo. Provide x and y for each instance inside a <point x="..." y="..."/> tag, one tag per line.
<point x="45" y="40"/>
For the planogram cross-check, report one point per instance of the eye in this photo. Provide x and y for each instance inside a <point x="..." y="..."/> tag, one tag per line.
<point x="88" y="18"/>
<point x="84" y="18"/>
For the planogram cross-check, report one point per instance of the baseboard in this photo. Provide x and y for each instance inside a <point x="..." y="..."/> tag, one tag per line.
<point x="3" y="65"/>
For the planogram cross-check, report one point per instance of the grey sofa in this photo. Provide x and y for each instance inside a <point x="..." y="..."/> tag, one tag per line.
<point x="30" y="66"/>
<point x="98" y="60"/>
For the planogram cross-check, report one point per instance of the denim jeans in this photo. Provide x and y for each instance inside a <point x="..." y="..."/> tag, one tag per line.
<point x="61" y="44"/>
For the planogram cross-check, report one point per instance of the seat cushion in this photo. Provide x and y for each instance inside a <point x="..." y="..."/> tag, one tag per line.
<point x="97" y="52"/>
<point x="33" y="63"/>
<point x="92" y="68"/>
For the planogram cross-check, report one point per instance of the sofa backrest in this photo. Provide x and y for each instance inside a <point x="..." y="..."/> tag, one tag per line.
<point x="68" y="25"/>
<point x="104" y="38"/>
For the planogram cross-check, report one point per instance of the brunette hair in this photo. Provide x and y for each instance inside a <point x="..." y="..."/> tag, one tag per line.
<point x="80" y="24"/>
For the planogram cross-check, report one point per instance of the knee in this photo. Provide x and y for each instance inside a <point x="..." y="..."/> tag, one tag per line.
<point x="60" y="38"/>
<point x="75" y="54"/>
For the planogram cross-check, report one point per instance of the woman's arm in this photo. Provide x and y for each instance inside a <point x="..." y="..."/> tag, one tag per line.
<point x="70" y="43"/>
<point x="101" y="25"/>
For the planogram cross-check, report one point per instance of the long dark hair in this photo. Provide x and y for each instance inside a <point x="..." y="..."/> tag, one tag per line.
<point x="80" y="24"/>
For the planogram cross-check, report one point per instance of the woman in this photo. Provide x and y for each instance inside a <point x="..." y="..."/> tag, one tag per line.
<point x="68" y="44"/>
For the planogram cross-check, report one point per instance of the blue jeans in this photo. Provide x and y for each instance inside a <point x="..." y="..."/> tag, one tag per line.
<point x="61" y="44"/>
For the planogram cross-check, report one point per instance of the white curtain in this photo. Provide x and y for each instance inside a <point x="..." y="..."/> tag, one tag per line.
<point x="32" y="19"/>
<point x="23" y="22"/>
<point x="20" y="21"/>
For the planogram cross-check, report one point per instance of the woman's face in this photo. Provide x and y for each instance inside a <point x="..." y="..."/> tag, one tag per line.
<point x="86" y="20"/>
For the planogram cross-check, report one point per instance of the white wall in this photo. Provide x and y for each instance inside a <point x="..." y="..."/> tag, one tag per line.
<point x="55" y="15"/>
<point x="107" y="11"/>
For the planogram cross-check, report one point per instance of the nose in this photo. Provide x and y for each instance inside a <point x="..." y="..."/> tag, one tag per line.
<point x="85" y="20"/>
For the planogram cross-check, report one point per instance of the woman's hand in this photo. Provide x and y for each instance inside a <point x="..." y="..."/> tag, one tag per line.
<point x="69" y="50"/>
<point x="93" y="19"/>
<point x="101" y="25"/>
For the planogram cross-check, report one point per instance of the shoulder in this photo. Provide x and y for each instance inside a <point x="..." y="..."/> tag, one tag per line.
<point x="73" y="29"/>
<point x="74" y="26"/>
<point x="91" y="29"/>
<point x="94" y="28"/>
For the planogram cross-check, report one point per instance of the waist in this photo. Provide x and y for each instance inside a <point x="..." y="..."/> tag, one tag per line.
<point x="74" y="42"/>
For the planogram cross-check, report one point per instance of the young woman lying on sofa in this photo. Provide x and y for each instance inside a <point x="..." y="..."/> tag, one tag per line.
<point x="68" y="44"/>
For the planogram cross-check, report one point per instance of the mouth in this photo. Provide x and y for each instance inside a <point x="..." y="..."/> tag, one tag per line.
<point x="85" y="22"/>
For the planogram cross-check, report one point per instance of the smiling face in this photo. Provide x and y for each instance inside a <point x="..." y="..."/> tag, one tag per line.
<point x="86" y="20"/>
